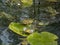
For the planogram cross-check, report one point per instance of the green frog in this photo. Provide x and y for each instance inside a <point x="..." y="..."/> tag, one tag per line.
<point x="20" y="29"/>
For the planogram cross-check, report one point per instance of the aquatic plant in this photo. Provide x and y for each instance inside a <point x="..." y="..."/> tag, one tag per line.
<point x="28" y="27"/>
<point x="34" y="38"/>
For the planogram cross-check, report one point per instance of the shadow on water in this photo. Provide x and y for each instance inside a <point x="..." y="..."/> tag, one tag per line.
<point x="8" y="37"/>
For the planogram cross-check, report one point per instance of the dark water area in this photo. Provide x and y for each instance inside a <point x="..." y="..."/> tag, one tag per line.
<point x="55" y="28"/>
<point x="8" y="37"/>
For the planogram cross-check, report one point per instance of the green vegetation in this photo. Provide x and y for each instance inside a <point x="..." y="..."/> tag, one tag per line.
<point x="27" y="3"/>
<point x="35" y="38"/>
<point x="43" y="38"/>
<point x="31" y="19"/>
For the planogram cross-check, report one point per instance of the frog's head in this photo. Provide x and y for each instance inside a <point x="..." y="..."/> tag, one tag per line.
<point x="19" y="28"/>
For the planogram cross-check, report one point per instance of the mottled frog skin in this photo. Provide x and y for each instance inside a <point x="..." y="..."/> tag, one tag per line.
<point x="17" y="28"/>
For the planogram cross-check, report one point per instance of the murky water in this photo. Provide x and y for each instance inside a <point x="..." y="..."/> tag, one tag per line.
<point x="7" y="37"/>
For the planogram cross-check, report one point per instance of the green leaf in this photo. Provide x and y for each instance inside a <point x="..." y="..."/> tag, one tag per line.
<point x="43" y="38"/>
<point x="27" y="3"/>
<point x="17" y="28"/>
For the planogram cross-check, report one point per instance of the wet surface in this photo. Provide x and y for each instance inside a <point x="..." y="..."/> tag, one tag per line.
<point x="8" y="37"/>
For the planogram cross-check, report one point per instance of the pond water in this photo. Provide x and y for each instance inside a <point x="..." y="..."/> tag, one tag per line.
<point x="8" y="37"/>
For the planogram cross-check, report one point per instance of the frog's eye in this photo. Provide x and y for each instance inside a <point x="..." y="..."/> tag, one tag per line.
<point x="24" y="28"/>
<point x="29" y="31"/>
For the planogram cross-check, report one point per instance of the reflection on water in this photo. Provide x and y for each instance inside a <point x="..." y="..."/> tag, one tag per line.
<point x="7" y="38"/>
<point x="4" y="37"/>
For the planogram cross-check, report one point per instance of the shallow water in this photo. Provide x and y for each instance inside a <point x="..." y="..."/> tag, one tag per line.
<point x="7" y="37"/>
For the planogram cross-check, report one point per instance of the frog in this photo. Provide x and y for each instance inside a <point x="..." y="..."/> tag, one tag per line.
<point x="20" y="29"/>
